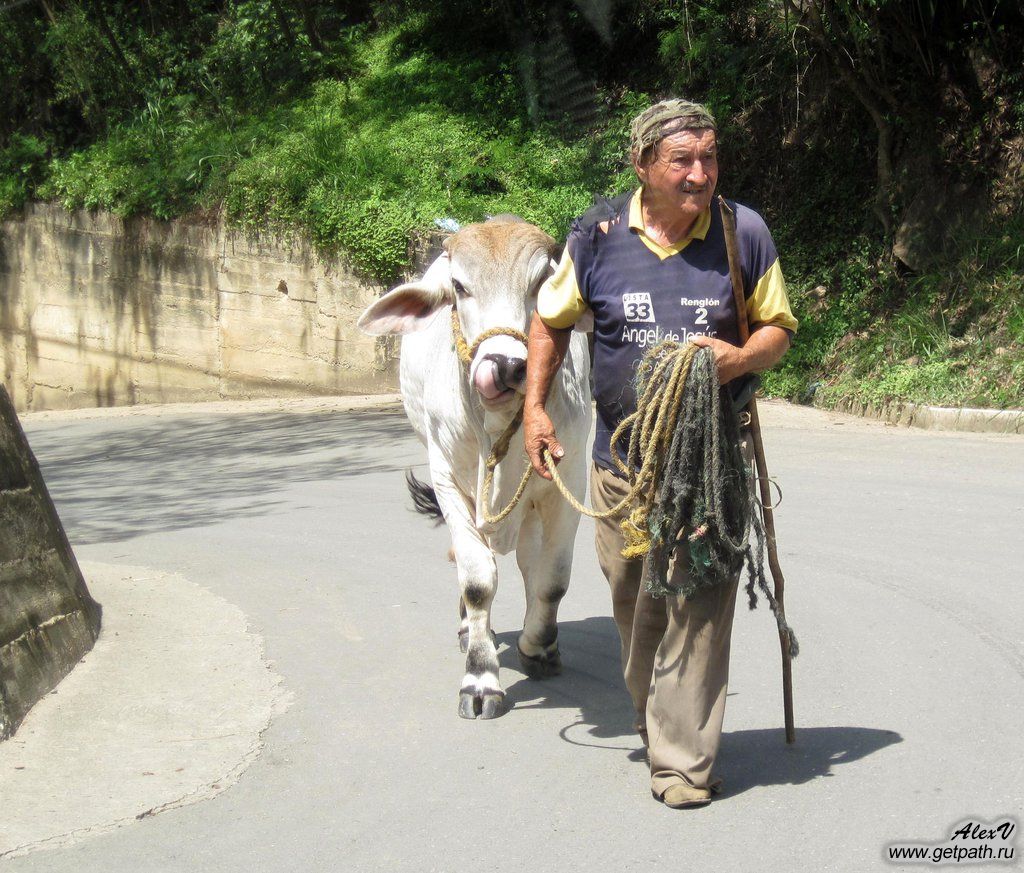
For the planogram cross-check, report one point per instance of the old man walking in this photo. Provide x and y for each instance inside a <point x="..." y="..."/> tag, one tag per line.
<point x="657" y="268"/>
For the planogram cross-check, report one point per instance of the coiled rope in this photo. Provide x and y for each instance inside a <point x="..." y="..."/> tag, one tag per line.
<point x="689" y="485"/>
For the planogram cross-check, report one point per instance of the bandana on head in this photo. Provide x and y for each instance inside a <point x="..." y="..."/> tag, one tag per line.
<point x="655" y="123"/>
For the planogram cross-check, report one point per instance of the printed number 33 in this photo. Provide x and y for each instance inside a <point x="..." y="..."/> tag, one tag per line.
<point x="638" y="311"/>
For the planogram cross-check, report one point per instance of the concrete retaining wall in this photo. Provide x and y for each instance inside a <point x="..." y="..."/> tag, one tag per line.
<point x="98" y="311"/>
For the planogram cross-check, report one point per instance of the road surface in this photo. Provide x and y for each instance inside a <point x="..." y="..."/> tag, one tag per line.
<point x="902" y="552"/>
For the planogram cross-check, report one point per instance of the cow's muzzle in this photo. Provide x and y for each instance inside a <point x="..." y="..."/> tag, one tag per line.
<point x="498" y="377"/>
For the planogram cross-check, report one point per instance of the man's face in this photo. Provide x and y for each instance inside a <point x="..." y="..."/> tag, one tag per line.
<point x="683" y="171"/>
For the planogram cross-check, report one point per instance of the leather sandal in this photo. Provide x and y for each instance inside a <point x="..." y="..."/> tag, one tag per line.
<point x="683" y="796"/>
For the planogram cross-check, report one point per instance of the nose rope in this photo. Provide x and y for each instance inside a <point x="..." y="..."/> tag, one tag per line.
<point x="467" y="352"/>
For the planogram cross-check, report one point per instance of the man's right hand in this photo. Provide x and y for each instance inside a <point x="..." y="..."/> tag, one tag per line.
<point x="539" y="433"/>
<point x="546" y="349"/>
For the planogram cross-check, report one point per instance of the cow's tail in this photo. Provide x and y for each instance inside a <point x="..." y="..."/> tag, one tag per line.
<point x="424" y="498"/>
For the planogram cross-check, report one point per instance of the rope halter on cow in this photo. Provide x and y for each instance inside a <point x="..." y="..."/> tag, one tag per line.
<point x="467" y="352"/>
<point x="689" y="485"/>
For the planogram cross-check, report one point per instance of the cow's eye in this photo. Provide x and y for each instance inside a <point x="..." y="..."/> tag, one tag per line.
<point x="460" y="289"/>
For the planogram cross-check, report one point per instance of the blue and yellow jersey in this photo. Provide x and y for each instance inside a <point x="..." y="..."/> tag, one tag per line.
<point x="641" y="293"/>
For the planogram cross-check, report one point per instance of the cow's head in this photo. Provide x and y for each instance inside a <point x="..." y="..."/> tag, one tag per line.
<point x="491" y="272"/>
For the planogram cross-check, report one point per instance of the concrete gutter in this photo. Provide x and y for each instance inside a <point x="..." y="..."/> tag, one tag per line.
<point x="1008" y="421"/>
<point x="168" y="709"/>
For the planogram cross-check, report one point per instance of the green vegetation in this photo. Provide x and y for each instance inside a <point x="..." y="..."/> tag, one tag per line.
<point x="949" y="337"/>
<point x="846" y="123"/>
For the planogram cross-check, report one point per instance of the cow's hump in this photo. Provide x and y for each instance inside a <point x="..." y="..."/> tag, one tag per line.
<point x="501" y="239"/>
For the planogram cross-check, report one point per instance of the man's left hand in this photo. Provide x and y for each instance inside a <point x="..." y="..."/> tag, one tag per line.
<point x="730" y="360"/>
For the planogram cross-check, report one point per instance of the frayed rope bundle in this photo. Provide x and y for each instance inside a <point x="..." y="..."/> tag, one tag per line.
<point x="691" y="486"/>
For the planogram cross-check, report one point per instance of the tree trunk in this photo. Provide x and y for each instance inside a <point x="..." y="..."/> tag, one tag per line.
<point x="83" y="82"/>
<point x="282" y="19"/>
<point x="871" y="99"/>
<point x="525" y="47"/>
<point x="111" y="38"/>
<point x="309" y="25"/>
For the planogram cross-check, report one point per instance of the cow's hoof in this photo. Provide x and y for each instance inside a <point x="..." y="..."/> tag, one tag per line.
<point x="543" y="666"/>
<point x="492" y="705"/>
<point x="467" y="705"/>
<point x="483" y="704"/>
<point x="464" y="639"/>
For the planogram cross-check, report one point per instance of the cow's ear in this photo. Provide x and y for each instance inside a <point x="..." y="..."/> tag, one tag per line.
<point x="410" y="307"/>
<point x="541" y="267"/>
<point x="405" y="310"/>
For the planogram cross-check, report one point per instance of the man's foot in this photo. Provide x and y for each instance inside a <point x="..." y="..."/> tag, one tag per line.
<point x="682" y="796"/>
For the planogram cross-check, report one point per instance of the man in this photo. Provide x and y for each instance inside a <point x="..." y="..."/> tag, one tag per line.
<point x="658" y="269"/>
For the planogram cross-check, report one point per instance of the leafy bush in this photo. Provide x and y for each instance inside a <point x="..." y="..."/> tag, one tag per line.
<point x="251" y="58"/>
<point x="360" y="166"/>
<point x="22" y="166"/>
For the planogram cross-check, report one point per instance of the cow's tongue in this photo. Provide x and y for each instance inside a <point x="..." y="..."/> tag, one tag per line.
<point x="486" y="380"/>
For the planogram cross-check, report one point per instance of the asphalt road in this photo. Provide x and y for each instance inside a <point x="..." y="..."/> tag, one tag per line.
<point x="902" y="552"/>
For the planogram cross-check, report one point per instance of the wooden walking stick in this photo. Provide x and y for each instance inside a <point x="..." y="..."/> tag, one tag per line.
<point x="729" y="227"/>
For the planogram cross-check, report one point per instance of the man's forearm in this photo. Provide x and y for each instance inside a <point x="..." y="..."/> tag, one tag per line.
<point x="765" y="348"/>
<point x="547" y="349"/>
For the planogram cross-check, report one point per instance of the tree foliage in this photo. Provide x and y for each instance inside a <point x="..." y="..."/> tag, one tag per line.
<point x="938" y="79"/>
<point x="938" y="82"/>
<point x="77" y="67"/>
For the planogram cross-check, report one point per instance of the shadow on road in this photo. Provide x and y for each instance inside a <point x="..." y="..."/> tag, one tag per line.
<point x="592" y="682"/>
<point x="135" y="476"/>
<point x="761" y="757"/>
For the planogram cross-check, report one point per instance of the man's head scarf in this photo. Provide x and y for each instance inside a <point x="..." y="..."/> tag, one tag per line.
<point x="664" y="119"/>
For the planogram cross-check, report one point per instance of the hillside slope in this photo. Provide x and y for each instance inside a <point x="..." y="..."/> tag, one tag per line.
<point x="883" y="144"/>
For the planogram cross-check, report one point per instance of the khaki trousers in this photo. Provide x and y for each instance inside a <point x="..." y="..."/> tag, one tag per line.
<point x="675" y="654"/>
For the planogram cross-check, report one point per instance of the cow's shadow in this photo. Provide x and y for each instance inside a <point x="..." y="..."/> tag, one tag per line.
<point x="591" y="683"/>
<point x="117" y="479"/>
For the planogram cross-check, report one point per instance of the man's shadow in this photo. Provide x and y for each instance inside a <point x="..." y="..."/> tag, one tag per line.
<point x="591" y="681"/>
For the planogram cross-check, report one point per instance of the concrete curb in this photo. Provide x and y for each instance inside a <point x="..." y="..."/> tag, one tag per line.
<point x="341" y="403"/>
<point x="966" y="419"/>
<point x="1006" y="421"/>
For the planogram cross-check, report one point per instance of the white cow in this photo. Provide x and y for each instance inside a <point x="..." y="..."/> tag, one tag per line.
<point x="491" y="273"/>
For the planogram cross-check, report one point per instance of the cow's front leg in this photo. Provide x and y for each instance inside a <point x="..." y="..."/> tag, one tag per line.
<point x="481" y="694"/>
<point x="545" y="557"/>
<point x="464" y="624"/>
